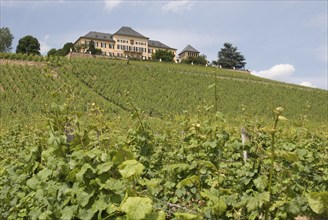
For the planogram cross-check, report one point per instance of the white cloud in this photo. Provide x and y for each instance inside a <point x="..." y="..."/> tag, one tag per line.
<point x="111" y="4"/>
<point x="308" y="84"/>
<point x="177" y="6"/>
<point x="44" y="46"/>
<point x="279" y="72"/>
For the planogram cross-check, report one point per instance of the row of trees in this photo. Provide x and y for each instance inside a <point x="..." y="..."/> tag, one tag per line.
<point x="228" y="57"/>
<point x="90" y="48"/>
<point x="27" y="44"/>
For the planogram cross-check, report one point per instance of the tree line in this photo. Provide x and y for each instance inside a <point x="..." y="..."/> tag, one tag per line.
<point x="228" y="57"/>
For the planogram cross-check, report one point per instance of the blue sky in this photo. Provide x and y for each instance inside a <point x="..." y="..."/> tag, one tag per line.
<point x="281" y="40"/>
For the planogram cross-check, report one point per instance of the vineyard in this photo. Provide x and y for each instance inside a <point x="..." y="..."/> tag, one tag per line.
<point x="100" y="139"/>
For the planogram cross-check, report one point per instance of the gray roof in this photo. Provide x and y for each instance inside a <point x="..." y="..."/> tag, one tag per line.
<point x="189" y="48"/>
<point x="158" y="44"/>
<point x="127" y="31"/>
<point x="99" y="36"/>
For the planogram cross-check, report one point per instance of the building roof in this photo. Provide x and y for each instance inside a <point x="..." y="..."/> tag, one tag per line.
<point x="99" y="36"/>
<point x="158" y="44"/>
<point x="127" y="31"/>
<point x="189" y="48"/>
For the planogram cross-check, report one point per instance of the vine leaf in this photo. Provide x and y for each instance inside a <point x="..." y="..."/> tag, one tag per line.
<point x="80" y="174"/>
<point x="69" y="212"/>
<point x="130" y="168"/>
<point x="261" y="182"/>
<point x="137" y="207"/>
<point x="189" y="181"/>
<point x="318" y="202"/>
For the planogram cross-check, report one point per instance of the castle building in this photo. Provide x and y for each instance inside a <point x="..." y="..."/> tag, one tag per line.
<point x="188" y="51"/>
<point x="124" y="42"/>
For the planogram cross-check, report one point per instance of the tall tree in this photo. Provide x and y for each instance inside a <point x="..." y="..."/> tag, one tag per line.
<point x="229" y="57"/>
<point x="164" y="55"/>
<point x="52" y="52"/>
<point x="6" y="39"/>
<point x="92" y="48"/>
<point x="28" y="45"/>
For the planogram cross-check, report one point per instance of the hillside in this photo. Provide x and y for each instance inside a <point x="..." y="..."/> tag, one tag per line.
<point x="158" y="89"/>
<point x="100" y="139"/>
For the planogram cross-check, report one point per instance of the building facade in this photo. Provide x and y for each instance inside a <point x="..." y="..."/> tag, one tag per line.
<point x="124" y="42"/>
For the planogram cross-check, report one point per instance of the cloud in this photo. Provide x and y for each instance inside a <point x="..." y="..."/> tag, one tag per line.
<point x="44" y="46"/>
<point x="177" y="6"/>
<point x="279" y="71"/>
<point x="111" y="4"/>
<point x="308" y="84"/>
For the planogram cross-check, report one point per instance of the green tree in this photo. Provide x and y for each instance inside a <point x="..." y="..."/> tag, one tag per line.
<point x="229" y="57"/>
<point x="52" y="52"/>
<point x="63" y="51"/>
<point x="92" y="48"/>
<point x="28" y="45"/>
<point x="68" y="46"/>
<point x="6" y="39"/>
<point x="80" y="48"/>
<point x="98" y="51"/>
<point x="199" y="60"/>
<point x="164" y="55"/>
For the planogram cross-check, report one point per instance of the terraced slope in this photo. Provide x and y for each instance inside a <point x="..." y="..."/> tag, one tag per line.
<point x="159" y="89"/>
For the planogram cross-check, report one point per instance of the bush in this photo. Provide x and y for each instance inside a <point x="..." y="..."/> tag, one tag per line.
<point x="200" y="60"/>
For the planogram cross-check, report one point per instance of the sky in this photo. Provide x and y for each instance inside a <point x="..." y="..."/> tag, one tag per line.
<point x="280" y="40"/>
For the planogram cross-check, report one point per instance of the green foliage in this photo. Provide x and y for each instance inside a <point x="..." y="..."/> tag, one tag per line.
<point x="106" y="82"/>
<point x="83" y="168"/>
<point x="52" y="52"/>
<point x="164" y="55"/>
<point x="92" y="49"/>
<point x="137" y="207"/>
<point x="130" y="168"/>
<point x="28" y="45"/>
<point x="128" y="150"/>
<point x="229" y="57"/>
<point x="318" y="202"/>
<point x="6" y="39"/>
<point x="199" y="60"/>
<point x="61" y="52"/>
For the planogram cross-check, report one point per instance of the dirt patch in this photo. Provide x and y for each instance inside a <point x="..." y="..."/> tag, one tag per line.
<point x="302" y="218"/>
<point x="22" y="62"/>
